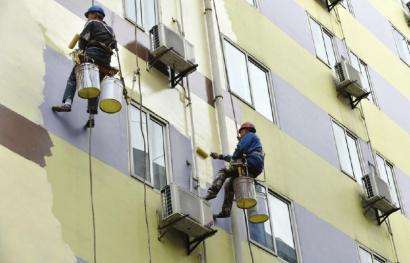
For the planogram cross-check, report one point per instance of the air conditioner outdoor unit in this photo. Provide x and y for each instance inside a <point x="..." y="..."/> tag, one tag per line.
<point x="185" y="211"/>
<point x="377" y="193"/>
<point x="171" y="48"/>
<point x="349" y="80"/>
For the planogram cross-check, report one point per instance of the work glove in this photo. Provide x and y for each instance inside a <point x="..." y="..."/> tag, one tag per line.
<point x="215" y="156"/>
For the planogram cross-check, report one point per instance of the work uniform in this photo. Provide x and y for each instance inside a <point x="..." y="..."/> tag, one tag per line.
<point x="97" y="40"/>
<point x="250" y="147"/>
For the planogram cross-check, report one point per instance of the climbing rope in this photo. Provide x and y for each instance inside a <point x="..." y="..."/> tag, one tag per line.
<point x="92" y="193"/>
<point x="137" y="76"/>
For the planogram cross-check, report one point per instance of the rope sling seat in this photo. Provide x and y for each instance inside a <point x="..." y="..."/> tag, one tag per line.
<point x="89" y="85"/>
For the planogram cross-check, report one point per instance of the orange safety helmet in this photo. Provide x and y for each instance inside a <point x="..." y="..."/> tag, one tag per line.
<point x="249" y="126"/>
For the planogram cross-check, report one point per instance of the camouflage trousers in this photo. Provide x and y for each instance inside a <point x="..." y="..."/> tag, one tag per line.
<point x="225" y="175"/>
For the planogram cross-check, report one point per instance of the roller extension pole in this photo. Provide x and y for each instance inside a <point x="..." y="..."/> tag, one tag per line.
<point x="217" y="68"/>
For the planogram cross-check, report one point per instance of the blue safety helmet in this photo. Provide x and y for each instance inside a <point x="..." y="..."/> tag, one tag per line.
<point x="95" y="9"/>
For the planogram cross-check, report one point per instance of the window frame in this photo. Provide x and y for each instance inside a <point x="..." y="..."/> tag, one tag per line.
<point x="293" y="225"/>
<point x="394" y="31"/>
<point x="394" y="176"/>
<point x="150" y="116"/>
<point x="141" y="27"/>
<point x="371" y="85"/>
<point x="371" y="252"/>
<point x="349" y="6"/>
<point x="255" y="3"/>
<point x="326" y="31"/>
<point x="347" y="132"/>
<point x="251" y="59"/>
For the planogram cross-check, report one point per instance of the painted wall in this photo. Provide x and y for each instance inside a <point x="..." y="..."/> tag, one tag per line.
<point x="44" y="171"/>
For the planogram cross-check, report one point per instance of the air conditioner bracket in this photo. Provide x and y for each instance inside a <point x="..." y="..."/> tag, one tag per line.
<point x="163" y="230"/>
<point x="177" y="78"/>
<point x="154" y="60"/>
<point x="330" y="6"/>
<point x="192" y="244"/>
<point x="380" y="216"/>
<point x="355" y="101"/>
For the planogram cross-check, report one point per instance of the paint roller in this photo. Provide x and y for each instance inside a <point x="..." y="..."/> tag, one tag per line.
<point x="201" y="152"/>
<point x="74" y="41"/>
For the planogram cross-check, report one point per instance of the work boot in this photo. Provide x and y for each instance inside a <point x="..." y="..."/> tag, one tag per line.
<point x="210" y="196"/>
<point x="90" y="123"/>
<point x="222" y="214"/>
<point x="62" y="108"/>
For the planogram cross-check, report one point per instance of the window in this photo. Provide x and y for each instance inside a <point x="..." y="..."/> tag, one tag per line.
<point x="346" y="4"/>
<point x="252" y="2"/>
<point x="248" y="80"/>
<point x="276" y="234"/>
<point x="386" y="172"/>
<point x="348" y="152"/>
<point x="323" y="41"/>
<point x="146" y="12"/>
<point x="151" y="164"/>
<point x="368" y="257"/>
<point x="403" y="46"/>
<point x="360" y="66"/>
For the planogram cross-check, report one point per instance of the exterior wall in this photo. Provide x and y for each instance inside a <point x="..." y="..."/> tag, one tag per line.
<point x="44" y="170"/>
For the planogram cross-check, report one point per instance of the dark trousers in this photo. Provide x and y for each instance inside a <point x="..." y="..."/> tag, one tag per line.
<point x="93" y="55"/>
<point x="229" y="176"/>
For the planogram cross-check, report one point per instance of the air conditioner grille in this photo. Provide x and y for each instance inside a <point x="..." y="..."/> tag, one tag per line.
<point x="167" y="201"/>
<point x="156" y="43"/>
<point x="368" y="186"/>
<point x="340" y="72"/>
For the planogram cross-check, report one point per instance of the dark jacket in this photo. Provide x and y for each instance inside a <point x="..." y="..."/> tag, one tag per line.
<point x="251" y="146"/>
<point x="98" y="40"/>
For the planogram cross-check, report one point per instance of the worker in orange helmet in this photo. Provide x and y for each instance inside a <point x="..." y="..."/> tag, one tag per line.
<point x="250" y="148"/>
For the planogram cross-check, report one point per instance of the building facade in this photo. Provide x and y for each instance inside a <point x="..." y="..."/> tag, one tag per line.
<point x="275" y="62"/>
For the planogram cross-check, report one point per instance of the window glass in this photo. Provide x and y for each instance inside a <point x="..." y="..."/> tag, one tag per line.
<point x="318" y="40"/>
<point x="354" y="156"/>
<point x="277" y="229"/>
<point x="260" y="90"/>
<point x="146" y="12"/>
<point x="355" y="61"/>
<point x="237" y="72"/>
<point x="149" y="14"/>
<point x="365" y="257"/>
<point x="262" y="233"/>
<point x="403" y="46"/>
<point x="151" y="164"/>
<point x="393" y="190"/>
<point x="251" y="2"/>
<point x="137" y="143"/>
<point x="282" y="229"/>
<point x="329" y="49"/>
<point x="157" y="154"/>
<point x="342" y="149"/>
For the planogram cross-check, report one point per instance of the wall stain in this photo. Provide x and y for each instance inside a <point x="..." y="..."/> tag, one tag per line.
<point x="24" y="137"/>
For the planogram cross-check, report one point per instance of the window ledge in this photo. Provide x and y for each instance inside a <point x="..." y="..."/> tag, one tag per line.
<point x="134" y="24"/>
<point x="327" y="65"/>
<point x="150" y="185"/>
<point x="256" y="244"/>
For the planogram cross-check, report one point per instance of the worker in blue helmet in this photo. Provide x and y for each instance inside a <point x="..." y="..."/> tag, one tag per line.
<point x="96" y="44"/>
<point x="249" y="148"/>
